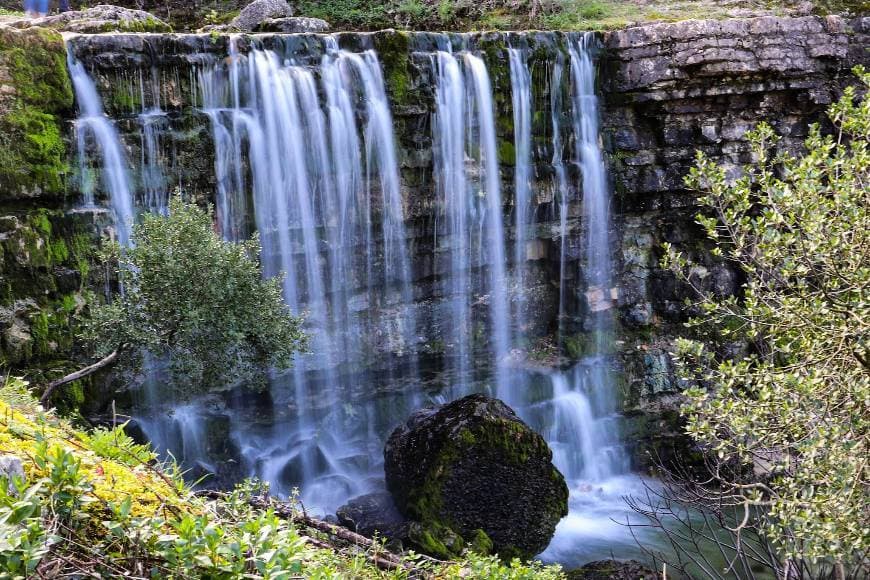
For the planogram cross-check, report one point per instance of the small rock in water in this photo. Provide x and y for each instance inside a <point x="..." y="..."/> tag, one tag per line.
<point x="471" y="472"/>
<point x="258" y="12"/>
<point x="374" y="513"/>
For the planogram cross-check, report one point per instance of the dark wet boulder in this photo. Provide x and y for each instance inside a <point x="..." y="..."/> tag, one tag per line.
<point x="374" y="513"/>
<point x="472" y="473"/>
<point x="612" y="570"/>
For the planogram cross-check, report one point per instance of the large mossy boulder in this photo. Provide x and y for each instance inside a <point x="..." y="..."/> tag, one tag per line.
<point x="472" y="473"/>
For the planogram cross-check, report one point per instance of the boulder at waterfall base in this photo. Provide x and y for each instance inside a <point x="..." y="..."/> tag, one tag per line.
<point x="471" y="472"/>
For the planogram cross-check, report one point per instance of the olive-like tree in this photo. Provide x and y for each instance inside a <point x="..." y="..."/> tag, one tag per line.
<point x="195" y="303"/>
<point x="778" y="377"/>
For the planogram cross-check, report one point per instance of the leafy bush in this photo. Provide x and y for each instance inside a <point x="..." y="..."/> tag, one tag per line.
<point x="787" y="419"/>
<point x="197" y="304"/>
<point x="116" y="444"/>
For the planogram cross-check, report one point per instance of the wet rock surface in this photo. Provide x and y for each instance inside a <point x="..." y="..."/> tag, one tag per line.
<point x="374" y="513"/>
<point x="473" y="469"/>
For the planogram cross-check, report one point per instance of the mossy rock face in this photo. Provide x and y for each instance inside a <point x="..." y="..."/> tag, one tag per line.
<point x="35" y="94"/>
<point x="473" y="469"/>
<point x="45" y="264"/>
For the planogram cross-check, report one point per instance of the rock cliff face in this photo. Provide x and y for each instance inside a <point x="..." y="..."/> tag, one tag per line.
<point x="45" y="251"/>
<point x="673" y="89"/>
<point x="667" y="90"/>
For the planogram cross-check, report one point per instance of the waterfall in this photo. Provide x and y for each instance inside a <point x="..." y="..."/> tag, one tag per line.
<point x="327" y="202"/>
<point x="556" y="112"/>
<point x="93" y="126"/>
<point x="585" y="428"/>
<point x="467" y="173"/>
<point x="305" y="155"/>
<point x="521" y="99"/>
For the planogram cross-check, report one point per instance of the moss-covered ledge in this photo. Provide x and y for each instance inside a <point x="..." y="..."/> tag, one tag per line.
<point x="35" y="96"/>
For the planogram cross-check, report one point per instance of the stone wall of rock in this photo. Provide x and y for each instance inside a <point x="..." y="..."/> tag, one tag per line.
<point x="45" y="246"/>
<point x="670" y="90"/>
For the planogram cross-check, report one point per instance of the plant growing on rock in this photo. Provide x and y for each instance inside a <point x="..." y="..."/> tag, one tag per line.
<point x="193" y="304"/>
<point x="779" y="389"/>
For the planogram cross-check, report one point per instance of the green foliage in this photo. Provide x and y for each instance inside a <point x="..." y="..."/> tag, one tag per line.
<point x="795" y="410"/>
<point x="854" y="7"/>
<point x="116" y="444"/>
<point x="491" y="568"/>
<point x="196" y="302"/>
<point x="78" y="516"/>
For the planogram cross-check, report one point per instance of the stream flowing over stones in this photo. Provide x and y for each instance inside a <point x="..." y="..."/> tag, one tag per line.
<point x="452" y="214"/>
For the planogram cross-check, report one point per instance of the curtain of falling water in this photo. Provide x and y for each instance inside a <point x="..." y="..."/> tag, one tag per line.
<point x="521" y="98"/>
<point x="314" y="153"/>
<point x="93" y="126"/>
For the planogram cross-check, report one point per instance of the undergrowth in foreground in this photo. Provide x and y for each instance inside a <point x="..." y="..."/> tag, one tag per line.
<point x="99" y="504"/>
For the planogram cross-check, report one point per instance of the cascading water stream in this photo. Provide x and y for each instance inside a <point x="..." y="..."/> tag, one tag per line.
<point x="584" y="432"/>
<point x="304" y="153"/>
<point x="93" y="126"/>
<point x="467" y="173"/>
<point x="521" y="99"/>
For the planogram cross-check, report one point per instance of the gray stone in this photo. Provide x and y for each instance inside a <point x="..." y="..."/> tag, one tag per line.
<point x="10" y="468"/>
<point x="293" y="24"/>
<point x="258" y="12"/>
<point x="612" y="570"/>
<point x="473" y="465"/>
<point x="100" y="18"/>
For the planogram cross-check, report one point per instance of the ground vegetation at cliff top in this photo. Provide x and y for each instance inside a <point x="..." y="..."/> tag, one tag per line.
<point x="468" y="15"/>
<point x="550" y="14"/>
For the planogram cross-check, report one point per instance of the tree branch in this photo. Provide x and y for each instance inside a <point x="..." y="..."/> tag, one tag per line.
<point x="79" y="374"/>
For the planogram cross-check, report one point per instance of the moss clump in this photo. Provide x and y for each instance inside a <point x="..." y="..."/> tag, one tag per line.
<point x="585" y="344"/>
<point x="393" y="48"/>
<point x="507" y="154"/>
<point x="44" y="265"/>
<point x="32" y="150"/>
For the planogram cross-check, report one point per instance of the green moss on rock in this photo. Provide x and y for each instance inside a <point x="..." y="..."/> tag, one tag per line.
<point x="393" y="48"/>
<point x="38" y="92"/>
<point x="44" y="265"/>
<point x="454" y="469"/>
